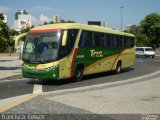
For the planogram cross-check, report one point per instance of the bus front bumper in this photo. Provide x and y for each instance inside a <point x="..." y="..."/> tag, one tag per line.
<point x="41" y="74"/>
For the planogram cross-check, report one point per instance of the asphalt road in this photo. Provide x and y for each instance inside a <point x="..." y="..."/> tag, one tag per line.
<point x="143" y="66"/>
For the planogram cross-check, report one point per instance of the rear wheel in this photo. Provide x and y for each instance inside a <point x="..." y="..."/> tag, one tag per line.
<point x="119" y="67"/>
<point x="153" y="56"/>
<point x="78" y="75"/>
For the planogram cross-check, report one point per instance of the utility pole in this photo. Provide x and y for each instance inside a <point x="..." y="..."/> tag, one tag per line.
<point x="121" y="7"/>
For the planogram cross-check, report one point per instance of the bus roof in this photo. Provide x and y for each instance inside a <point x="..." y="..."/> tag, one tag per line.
<point x="63" y="26"/>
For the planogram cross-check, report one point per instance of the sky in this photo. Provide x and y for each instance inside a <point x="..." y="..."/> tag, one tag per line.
<point x="82" y="11"/>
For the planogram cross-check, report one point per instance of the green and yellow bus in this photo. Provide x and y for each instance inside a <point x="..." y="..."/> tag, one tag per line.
<point x="72" y="50"/>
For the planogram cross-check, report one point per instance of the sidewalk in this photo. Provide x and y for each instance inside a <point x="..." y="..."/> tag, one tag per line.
<point x="136" y="97"/>
<point x="9" y="65"/>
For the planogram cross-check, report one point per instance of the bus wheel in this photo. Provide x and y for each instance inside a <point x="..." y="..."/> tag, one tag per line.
<point x="78" y="73"/>
<point x="118" y="67"/>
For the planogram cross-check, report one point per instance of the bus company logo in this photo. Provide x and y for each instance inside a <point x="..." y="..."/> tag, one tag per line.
<point x="96" y="53"/>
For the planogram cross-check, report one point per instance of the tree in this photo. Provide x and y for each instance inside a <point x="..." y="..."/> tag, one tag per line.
<point x="141" y="40"/>
<point x="13" y="32"/>
<point x="45" y="23"/>
<point x="150" y="27"/>
<point x="134" y="29"/>
<point x="24" y="30"/>
<point x="66" y="21"/>
<point x="1" y="16"/>
<point x="4" y="34"/>
<point x="61" y="21"/>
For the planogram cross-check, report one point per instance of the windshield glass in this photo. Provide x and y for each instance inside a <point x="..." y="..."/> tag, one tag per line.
<point x="149" y="49"/>
<point x="41" y="47"/>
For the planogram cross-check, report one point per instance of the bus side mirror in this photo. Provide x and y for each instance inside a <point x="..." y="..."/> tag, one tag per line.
<point x="64" y="38"/>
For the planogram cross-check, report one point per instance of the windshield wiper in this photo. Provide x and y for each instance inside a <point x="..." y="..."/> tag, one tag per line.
<point x="37" y="54"/>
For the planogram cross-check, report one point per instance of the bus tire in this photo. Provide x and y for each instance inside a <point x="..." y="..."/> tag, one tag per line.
<point x="119" y="67"/>
<point x="78" y="75"/>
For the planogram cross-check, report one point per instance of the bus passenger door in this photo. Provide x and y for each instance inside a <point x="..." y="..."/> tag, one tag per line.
<point x="67" y="52"/>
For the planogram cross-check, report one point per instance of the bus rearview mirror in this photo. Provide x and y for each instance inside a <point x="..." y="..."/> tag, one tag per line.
<point x="64" y="39"/>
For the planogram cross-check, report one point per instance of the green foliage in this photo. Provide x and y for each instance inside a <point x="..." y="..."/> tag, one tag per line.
<point x="1" y="16"/>
<point x="150" y="27"/>
<point x="141" y="40"/>
<point x="6" y="35"/>
<point x="66" y="21"/>
<point x="24" y="30"/>
<point x="134" y="29"/>
<point x="61" y="21"/>
<point x="45" y="23"/>
<point x="2" y="44"/>
<point x="148" y="33"/>
<point x="13" y="32"/>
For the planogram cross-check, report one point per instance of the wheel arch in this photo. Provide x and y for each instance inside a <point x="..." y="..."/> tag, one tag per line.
<point x="79" y="65"/>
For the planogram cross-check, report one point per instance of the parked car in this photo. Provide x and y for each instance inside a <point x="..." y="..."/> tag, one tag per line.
<point x="145" y="52"/>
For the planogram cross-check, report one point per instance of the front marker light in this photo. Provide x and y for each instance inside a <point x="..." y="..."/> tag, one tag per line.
<point x="54" y="75"/>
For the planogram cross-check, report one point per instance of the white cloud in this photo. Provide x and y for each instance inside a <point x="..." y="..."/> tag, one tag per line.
<point x="34" y="20"/>
<point x="44" y="18"/>
<point x="41" y="14"/>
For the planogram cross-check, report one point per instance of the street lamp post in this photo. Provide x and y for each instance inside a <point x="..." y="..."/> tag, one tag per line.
<point x="121" y="7"/>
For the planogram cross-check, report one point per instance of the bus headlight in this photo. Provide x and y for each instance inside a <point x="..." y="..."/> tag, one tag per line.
<point x="52" y="67"/>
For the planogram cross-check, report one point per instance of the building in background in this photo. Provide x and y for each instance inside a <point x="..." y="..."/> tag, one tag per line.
<point x="56" y="18"/>
<point x="103" y="24"/>
<point x="22" y="20"/>
<point x="98" y="23"/>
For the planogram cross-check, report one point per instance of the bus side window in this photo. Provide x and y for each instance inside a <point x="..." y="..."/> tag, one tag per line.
<point x="132" y="42"/>
<point x="126" y="42"/>
<point x="71" y="37"/>
<point x="129" y="42"/>
<point x="121" y="42"/>
<point x="86" y="39"/>
<point x="116" y="39"/>
<point x="102" y="40"/>
<point x="98" y="40"/>
<point x="111" y="41"/>
<point x="107" y="40"/>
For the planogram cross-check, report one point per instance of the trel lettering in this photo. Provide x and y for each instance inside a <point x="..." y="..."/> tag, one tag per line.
<point x="96" y="53"/>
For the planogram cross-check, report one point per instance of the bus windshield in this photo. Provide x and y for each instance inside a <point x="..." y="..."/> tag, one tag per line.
<point x="41" y="47"/>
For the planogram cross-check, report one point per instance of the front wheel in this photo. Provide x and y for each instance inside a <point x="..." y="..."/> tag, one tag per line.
<point x="78" y="74"/>
<point x="118" y="68"/>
